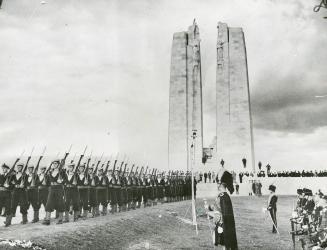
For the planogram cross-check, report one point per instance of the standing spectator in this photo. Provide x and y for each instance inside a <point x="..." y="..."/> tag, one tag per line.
<point x="241" y="177"/>
<point x="268" y="169"/>
<point x="205" y="177"/>
<point x="201" y="175"/>
<point x="209" y="176"/>
<point x="237" y="187"/>
<point x="254" y="187"/>
<point x="259" y="188"/>
<point x="213" y="177"/>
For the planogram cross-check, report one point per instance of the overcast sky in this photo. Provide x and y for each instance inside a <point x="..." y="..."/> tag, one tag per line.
<point x="97" y="73"/>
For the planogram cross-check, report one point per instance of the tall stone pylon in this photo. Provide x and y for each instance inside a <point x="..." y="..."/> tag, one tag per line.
<point x="234" y="120"/>
<point x="185" y="101"/>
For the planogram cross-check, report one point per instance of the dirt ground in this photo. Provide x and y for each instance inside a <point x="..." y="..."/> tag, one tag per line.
<point x="158" y="227"/>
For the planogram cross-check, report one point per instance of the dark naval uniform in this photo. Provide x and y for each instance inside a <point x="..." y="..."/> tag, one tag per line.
<point x="112" y="193"/>
<point x="93" y="196"/>
<point x="166" y="188"/>
<point x="43" y="187"/>
<point x="56" y="196"/>
<point x="102" y="192"/>
<point x="123" y="193"/>
<point x="129" y="191"/>
<point x="19" y="195"/>
<point x="5" y="195"/>
<point x="83" y="190"/>
<point x="72" y="194"/>
<point x="160" y="188"/>
<point x="32" y="182"/>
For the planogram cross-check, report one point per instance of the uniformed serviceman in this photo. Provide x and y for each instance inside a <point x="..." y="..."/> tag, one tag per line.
<point x="160" y="188"/>
<point x="129" y="190"/>
<point x="19" y="195"/>
<point x="102" y="191"/>
<point x="5" y="193"/>
<point x="71" y="193"/>
<point x="43" y="186"/>
<point x="166" y="188"/>
<point x="32" y="182"/>
<point x="57" y="178"/>
<point x="112" y="199"/>
<point x="83" y="190"/>
<point x="93" y="198"/>
<point x="116" y="184"/>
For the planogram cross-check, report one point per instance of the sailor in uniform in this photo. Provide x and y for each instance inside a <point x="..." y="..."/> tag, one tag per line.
<point x="57" y="178"/>
<point x="19" y="195"/>
<point x="5" y="193"/>
<point x="32" y="192"/>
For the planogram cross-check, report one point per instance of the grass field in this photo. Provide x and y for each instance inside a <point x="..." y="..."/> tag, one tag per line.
<point x="159" y="228"/>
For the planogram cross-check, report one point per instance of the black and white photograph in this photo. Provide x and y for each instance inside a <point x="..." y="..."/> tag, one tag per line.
<point x="160" y="124"/>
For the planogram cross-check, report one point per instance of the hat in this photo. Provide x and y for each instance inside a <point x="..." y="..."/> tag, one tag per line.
<point x="308" y="192"/>
<point x="272" y="188"/>
<point x="299" y="191"/>
<point x="31" y="166"/>
<point x="20" y="165"/>
<point x="71" y="165"/>
<point x="43" y="167"/>
<point x="227" y="179"/>
<point x="5" y="166"/>
<point x="56" y="161"/>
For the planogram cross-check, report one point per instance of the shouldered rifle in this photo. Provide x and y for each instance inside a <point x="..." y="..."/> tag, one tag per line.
<point x="107" y="167"/>
<point x="38" y="162"/>
<point x="25" y="167"/>
<point x="141" y="171"/>
<point x="88" y="163"/>
<point x="125" y="169"/>
<point x="131" y="169"/>
<point x="98" y="163"/>
<point x="28" y="160"/>
<point x="153" y="172"/>
<point x="121" y="166"/>
<point x="62" y="162"/>
<point x="136" y="170"/>
<point x="146" y="170"/>
<point x="6" y="184"/>
<point x="113" y="170"/>
<point x="15" y="163"/>
<point x="72" y="160"/>
<point x="80" y="159"/>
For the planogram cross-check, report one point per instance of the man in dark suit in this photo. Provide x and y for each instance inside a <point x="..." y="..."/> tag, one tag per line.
<point x="272" y="206"/>
<point x="205" y="177"/>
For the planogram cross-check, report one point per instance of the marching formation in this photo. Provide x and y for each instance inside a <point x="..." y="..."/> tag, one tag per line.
<point x="309" y="219"/>
<point x="82" y="188"/>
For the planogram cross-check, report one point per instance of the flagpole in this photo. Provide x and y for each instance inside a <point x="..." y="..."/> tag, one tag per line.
<point x="193" y="198"/>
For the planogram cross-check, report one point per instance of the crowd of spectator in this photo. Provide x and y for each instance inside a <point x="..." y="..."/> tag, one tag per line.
<point x="298" y="173"/>
<point x="309" y="173"/>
